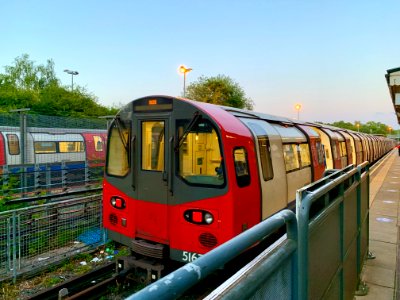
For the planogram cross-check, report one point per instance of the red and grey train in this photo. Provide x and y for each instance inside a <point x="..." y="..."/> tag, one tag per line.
<point x="183" y="177"/>
<point x="52" y="147"/>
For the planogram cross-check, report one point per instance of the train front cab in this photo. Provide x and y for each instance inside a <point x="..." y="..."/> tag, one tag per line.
<point x="181" y="178"/>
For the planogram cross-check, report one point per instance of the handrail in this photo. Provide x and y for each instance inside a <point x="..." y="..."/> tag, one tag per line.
<point x="190" y="274"/>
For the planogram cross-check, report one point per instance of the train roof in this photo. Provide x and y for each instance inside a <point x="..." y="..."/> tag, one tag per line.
<point x="237" y="112"/>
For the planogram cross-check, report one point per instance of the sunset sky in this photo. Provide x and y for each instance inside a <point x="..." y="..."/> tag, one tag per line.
<point x="329" y="56"/>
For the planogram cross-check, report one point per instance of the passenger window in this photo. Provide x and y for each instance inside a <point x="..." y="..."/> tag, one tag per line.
<point x="200" y="156"/>
<point x="153" y="145"/>
<point x="69" y="147"/>
<point x="98" y="143"/>
<point x="265" y="158"/>
<point x="305" y="155"/>
<point x="118" y="146"/>
<point x="291" y="157"/>
<point x="241" y="167"/>
<point x="13" y="144"/>
<point x="45" y="147"/>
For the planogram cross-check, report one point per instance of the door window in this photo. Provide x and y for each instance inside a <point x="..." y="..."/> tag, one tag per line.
<point x="98" y="143"/>
<point x="265" y="157"/>
<point x="153" y="145"/>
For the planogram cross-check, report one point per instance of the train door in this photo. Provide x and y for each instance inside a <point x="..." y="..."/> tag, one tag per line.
<point x="327" y="149"/>
<point x="151" y="170"/>
<point x="151" y="178"/>
<point x="351" y="147"/>
<point x="316" y="150"/>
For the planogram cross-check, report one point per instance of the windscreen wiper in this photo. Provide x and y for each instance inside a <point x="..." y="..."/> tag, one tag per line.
<point x="121" y="135"/>
<point x="195" y="119"/>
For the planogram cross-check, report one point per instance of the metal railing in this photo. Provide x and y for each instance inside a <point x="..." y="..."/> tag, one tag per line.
<point x="176" y="283"/>
<point x="36" y="236"/>
<point x="321" y="256"/>
<point x="24" y="181"/>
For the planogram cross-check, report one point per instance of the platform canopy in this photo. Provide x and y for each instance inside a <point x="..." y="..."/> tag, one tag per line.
<point x="393" y="81"/>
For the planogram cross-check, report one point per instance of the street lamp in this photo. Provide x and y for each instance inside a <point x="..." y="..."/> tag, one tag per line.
<point x="72" y="73"/>
<point x="184" y="70"/>
<point x="358" y="126"/>
<point x="298" y="107"/>
<point x="390" y="130"/>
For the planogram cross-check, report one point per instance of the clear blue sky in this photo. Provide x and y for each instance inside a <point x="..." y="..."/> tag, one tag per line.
<point x="330" y="56"/>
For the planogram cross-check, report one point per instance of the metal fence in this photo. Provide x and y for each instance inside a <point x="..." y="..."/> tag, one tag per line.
<point x="333" y="231"/>
<point x="42" y="121"/>
<point x="31" y="181"/>
<point x="36" y="236"/>
<point x="41" y="155"/>
<point x="320" y="258"/>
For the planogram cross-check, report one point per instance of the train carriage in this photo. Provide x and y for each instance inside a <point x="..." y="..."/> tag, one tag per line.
<point x="183" y="177"/>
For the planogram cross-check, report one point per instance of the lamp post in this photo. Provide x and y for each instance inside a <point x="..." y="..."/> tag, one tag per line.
<point x="390" y="130"/>
<point x="358" y="126"/>
<point x="184" y="70"/>
<point x="72" y="73"/>
<point x="298" y="107"/>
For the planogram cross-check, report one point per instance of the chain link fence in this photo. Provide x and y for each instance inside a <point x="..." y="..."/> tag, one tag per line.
<point x="36" y="236"/>
<point x="42" y="155"/>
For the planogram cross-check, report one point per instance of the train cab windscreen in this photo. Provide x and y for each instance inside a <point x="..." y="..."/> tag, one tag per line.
<point x="200" y="156"/>
<point x="118" y="162"/>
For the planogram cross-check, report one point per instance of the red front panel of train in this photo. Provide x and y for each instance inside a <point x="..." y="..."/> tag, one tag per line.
<point x="167" y="224"/>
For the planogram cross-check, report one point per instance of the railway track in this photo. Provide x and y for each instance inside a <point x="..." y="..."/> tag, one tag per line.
<point x="88" y="286"/>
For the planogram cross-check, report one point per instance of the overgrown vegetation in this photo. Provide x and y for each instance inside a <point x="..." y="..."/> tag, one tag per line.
<point x="69" y="268"/>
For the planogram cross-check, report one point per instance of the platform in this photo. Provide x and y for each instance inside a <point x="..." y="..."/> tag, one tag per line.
<point x="381" y="274"/>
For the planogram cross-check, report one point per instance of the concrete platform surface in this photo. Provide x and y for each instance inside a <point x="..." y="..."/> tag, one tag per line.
<point x="380" y="274"/>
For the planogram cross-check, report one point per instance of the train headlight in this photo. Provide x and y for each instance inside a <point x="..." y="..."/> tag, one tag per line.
<point x="208" y="218"/>
<point x="117" y="202"/>
<point x="197" y="216"/>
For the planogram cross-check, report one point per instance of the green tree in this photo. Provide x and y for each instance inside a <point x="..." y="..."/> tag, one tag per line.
<point x="345" y="125"/>
<point x="28" y="85"/>
<point x="370" y="127"/>
<point x="24" y="74"/>
<point x="221" y="90"/>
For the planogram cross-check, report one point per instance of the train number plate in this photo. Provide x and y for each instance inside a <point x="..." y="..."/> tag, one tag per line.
<point x="184" y="256"/>
<point x="189" y="256"/>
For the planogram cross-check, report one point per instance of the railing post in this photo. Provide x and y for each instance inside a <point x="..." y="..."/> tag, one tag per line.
<point x="6" y="186"/>
<point x="86" y="172"/>
<point x="362" y="288"/>
<point x="341" y="236"/>
<point x="63" y="175"/>
<point x="303" y="204"/>
<point x="14" y="245"/>
<point x="37" y="177"/>
<point x="48" y="179"/>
